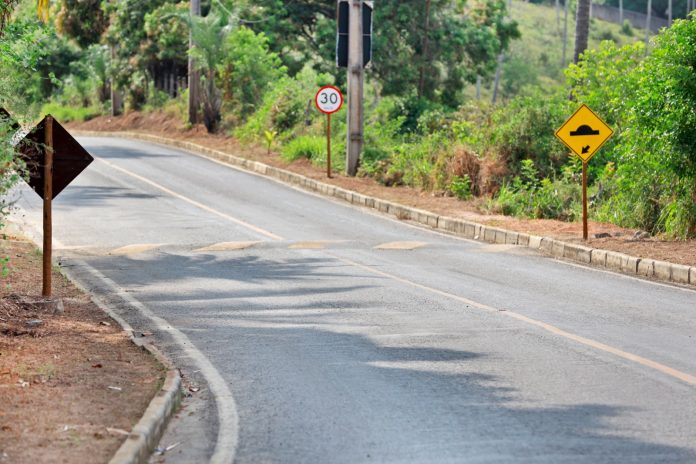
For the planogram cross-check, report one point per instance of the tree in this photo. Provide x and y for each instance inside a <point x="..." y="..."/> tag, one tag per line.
<point x="165" y="48"/>
<point x="457" y="43"/>
<point x="208" y="35"/>
<point x="247" y="69"/>
<point x="126" y="34"/>
<point x="82" y="20"/>
<point x="427" y="49"/>
<point x="193" y="76"/>
<point x="650" y="102"/>
<point x="582" y="28"/>
<point x="665" y="113"/>
<point x="6" y="7"/>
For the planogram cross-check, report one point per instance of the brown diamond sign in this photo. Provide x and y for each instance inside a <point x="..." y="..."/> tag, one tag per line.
<point x="69" y="158"/>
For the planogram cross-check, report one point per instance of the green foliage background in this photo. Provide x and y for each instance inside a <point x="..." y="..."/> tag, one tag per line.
<point x="261" y="62"/>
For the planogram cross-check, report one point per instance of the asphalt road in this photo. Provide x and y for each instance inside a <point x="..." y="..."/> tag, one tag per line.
<point x="321" y="333"/>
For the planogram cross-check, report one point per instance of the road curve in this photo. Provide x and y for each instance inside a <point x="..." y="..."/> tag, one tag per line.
<point x="325" y="333"/>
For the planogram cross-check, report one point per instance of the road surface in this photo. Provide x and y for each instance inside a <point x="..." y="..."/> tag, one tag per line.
<point x="318" y="332"/>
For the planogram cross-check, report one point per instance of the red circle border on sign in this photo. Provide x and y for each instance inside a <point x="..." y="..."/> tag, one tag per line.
<point x="340" y="94"/>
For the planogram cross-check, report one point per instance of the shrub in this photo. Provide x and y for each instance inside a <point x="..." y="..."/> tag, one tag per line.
<point x="460" y="186"/>
<point x="284" y="107"/>
<point x="526" y="196"/>
<point x="524" y="129"/>
<point x="68" y="113"/>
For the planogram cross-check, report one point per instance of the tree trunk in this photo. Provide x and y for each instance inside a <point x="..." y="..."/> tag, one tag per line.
<point x="648" y="17"/>
<point x="621" y="12"/>
<point x="498" y="71"/>
<point x="194" y="99"/>
<point x="424" y="51"/>
<point x="669" y="12"/>
<point x="565" y="32"/>
<point x="692" y="219"/>
<point x="582" y="28"/>
<point x="115" y="96"/>
<point x="558" y="16"/>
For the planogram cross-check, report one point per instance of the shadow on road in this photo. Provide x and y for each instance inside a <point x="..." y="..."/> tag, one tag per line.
<point x="330" y="365"/>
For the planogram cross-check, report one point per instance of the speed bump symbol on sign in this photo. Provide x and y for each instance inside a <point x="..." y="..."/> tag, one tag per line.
<point x="584" y="133"/>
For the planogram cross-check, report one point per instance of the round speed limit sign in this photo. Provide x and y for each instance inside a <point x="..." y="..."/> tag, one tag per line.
<point x="329" y="99"/>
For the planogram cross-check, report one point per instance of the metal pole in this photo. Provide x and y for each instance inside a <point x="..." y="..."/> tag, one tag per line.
<point x="328" y="146"/>
<point x="355" y="88"/>
<point x="47" y="218"/>
<point x="584" y="200"/>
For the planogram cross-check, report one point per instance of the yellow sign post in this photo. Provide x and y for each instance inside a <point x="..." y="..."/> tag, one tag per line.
<point x="584" y="133"/>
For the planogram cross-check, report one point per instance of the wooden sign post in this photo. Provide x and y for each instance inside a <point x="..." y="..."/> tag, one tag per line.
<point x="53" y="159"/>
<point x="328" y="145"/>
<point x="584" y="201"/>
<point x="328" y="100"/>
<point x="47" y="206"/>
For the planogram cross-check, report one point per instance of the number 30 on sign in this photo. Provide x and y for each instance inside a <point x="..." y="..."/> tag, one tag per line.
<point x="329" y="99"/>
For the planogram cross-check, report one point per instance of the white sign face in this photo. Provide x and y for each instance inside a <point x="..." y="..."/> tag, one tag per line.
<point x="329" y="99"/>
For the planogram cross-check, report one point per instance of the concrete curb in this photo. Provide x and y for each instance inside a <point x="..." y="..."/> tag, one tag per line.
<point x="609" y="260"/>
<point x="145" y="435"/>
<point x="147" y="432"/>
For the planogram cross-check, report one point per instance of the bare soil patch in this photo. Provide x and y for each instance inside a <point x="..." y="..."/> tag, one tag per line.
<point x="621" y="240"/>
<point x="72" y="385"/>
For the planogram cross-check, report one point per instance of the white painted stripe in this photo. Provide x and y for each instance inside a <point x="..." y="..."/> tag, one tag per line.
<point x="198" y="204"/>
<point x="228" y="419"/>
<point x="667" y="370"/>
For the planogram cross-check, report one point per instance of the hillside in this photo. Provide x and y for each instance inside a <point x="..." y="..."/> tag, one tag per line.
<point x="534" y="60"/>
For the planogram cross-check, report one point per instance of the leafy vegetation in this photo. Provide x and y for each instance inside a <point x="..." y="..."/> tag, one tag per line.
<point x="427" y="125"/>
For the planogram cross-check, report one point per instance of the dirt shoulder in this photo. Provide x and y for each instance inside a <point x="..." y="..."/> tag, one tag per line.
<point x="72" y="385"/>
<point x="621" y="240"/>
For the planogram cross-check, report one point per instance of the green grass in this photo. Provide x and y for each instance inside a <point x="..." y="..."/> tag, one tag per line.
<point x="304" y="146"/>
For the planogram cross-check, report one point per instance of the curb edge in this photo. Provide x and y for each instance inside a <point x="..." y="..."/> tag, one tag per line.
<point x="146" y="433"/>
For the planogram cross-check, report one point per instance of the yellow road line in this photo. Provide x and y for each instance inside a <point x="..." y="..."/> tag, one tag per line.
<point x="670" y="371"/>
<point x="200" y="205"/>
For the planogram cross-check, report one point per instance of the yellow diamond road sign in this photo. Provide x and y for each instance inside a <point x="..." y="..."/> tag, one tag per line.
<point x="584" y="133"/>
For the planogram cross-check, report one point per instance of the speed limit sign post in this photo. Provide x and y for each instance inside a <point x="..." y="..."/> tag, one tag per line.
<point x="328" y="100"/>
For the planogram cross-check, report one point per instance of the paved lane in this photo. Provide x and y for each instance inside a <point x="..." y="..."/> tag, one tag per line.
<point x="348" y="337"/>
